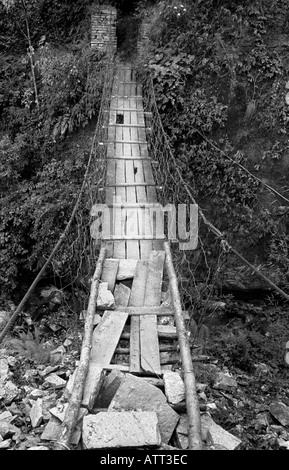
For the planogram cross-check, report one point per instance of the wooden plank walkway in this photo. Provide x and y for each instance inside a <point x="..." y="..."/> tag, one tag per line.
<point x="129" y="170"/>
<point x="130" y="192"/>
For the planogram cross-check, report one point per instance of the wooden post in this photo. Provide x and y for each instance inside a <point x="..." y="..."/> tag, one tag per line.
<point x="72" y="411"/>
<point x="193" y="410"/>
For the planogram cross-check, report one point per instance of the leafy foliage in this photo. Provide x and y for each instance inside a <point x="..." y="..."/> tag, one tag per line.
<point x="218" y="70"/>
<point x="39" y="177"/>
<point x="32" y="347"/>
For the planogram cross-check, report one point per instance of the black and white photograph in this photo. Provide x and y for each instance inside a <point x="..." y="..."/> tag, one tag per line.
<point x="144" y="228"/>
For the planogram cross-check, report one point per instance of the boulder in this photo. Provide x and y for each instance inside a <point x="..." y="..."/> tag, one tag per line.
<point x="135" y="393"/>
<point x="120" y="429"/>
<point x="105" y="299"/>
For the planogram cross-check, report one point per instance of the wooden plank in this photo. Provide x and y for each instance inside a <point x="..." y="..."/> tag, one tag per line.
<point x="157" y="310"/>
<point x="119" y="227"/>
<point x="132" y="228"/>
<point x="106" y="337"/>
<point x="109" y="272"/>
<point x="137" y="295"/>
<point x="150" y="355"/>
<point x="154" y="279"/>
<point x="143" y="216"/>
<point x="136" y="300"/>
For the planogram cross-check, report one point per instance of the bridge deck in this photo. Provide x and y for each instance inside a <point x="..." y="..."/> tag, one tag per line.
<point x="129" y="170"/>
<point x="131" y="237"/>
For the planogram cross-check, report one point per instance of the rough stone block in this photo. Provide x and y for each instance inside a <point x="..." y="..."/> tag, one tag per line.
<point x="120" y="429"/>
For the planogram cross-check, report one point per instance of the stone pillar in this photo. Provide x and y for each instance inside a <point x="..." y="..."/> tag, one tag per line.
<point x="103" y="28"/>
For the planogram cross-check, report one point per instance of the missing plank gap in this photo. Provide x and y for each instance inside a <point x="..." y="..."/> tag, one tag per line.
<point x="119" y="119"/>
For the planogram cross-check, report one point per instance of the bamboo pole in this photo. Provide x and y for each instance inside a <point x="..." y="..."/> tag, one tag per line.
<point x="72" y="411"/>
<point x="193" y="409"/>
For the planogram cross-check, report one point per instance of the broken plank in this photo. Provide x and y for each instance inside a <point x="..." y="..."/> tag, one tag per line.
<point x="93" y="383"/>
<point x="109" y="272"/>
<point x="106" y="336"/>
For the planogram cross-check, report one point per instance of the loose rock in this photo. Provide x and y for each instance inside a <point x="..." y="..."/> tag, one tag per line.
<point x="8" y="430"/>
<point x="8" y="392"/>
<point x="4" y="370"/>
<point x="52" y="430"/>
<point x="55" y="381"/>
<point x="224" y="381"/>
<point x="121" y="294"/>
<point x="219" y="435"/>
<point x="38" y="448"/>
<point x="5" y="444"/>
<point x="36" y="414"/>
<point x="105" y="299"/>
<point x="137" y="394"/>
<point x="280" y="412"/>
<point x="126" y="269"/>
<point x="174" y="387"/>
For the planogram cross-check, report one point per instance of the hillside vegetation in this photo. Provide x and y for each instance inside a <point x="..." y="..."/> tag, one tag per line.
<point x="50" y="87"/>
<point x="220" y="71"/>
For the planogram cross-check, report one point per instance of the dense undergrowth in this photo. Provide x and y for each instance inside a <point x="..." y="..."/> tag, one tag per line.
<point x="50" y="88"/>
<point x="220" y="70"/>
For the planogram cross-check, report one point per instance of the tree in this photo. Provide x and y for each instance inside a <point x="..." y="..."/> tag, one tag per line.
<point x="14" y="6"/>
